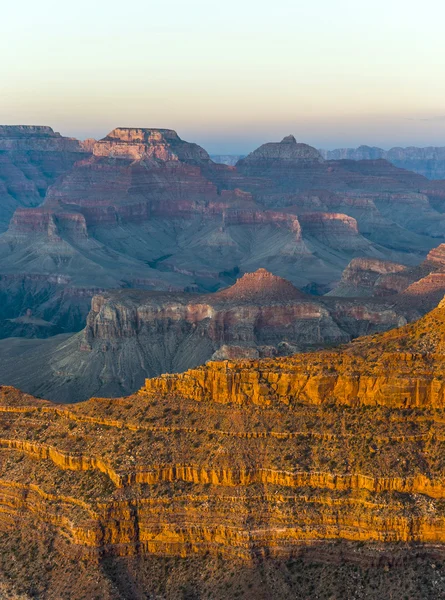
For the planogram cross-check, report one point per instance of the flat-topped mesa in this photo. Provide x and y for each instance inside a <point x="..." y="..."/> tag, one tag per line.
<point x="157" y="144"/>
<point x="261" y="285"/>
<point x="288" y="151"/>
<point x="36" y="138"/>
<point x="21" y="131"/>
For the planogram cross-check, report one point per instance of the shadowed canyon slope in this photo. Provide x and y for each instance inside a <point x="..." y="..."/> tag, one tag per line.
<point x="142" y="208"/>
<point x="244" y="459"/>
<point x="31" y="159"/>
<point x="132" y="334"/>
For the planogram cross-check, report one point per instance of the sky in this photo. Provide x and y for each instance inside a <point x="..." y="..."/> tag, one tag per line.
<point x="229" y="74"/>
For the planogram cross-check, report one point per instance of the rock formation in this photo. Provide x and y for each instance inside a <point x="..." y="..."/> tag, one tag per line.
<point x="365" y="277"/>
<point x="244" y="459"/>
<point x="139" y="144"/>
<point x="149" y="210"/>
<point x="131" y="334"/>
<point x="287" y="151"/>
<point x="419" y="288"/>
<point x="31" y="159"/>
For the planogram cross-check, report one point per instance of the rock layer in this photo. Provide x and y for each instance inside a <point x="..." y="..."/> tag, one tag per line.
<point x="243" y="458"/>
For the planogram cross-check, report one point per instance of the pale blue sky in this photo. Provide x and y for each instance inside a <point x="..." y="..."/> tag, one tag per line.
<point x="229" y="74"/>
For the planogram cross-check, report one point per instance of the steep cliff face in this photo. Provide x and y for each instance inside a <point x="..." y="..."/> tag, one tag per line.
<point x="159" y="144"/>
<point x="364" y="277"/>
<point x="402" y="368"/>
<point x="132" y="334"/>
<point x="250" y="463"/>
<point x="261" y="455"/>
<point x="419" y="288"/>
<point x="334" y="230"/>
<point x="31" y="159"/>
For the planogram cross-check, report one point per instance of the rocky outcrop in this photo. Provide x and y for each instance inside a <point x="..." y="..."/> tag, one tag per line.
<point x="402" y="368"/>
<point x="262" y="287"/>
<point x="419" y="287"/>
<point x="333" y="229"/>
<point x="365" y="277"/>
<point x="28" y="138"/>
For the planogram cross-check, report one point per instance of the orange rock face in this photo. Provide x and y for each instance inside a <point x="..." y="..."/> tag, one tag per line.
<point x="242" y="457"/>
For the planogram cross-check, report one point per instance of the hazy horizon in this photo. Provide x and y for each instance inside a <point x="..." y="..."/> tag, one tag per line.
<point x="232" y="76"/>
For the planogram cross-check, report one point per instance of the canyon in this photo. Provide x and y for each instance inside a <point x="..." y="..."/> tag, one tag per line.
<point x="31" y="159"/>
<point x="255" y="464"/>
<point x="133" y="261"/>
<point x="242" y="367"/>
<point x="132" y="334"/>
<point x="143" y="209"/>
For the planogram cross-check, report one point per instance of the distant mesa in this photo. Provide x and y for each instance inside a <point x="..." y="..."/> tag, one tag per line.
<point x="288" y="150"/>
<point x="429" y="161"/>
<point x="148" y="143"/>
<point x="39" y="138"/>
<point x="24" y="131"/>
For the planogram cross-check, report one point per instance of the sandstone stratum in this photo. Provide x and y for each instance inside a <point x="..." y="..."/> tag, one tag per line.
<point x="242" y="459"/>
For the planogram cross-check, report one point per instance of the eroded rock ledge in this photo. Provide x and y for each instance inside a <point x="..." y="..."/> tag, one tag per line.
<point x="242" y="458"/>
